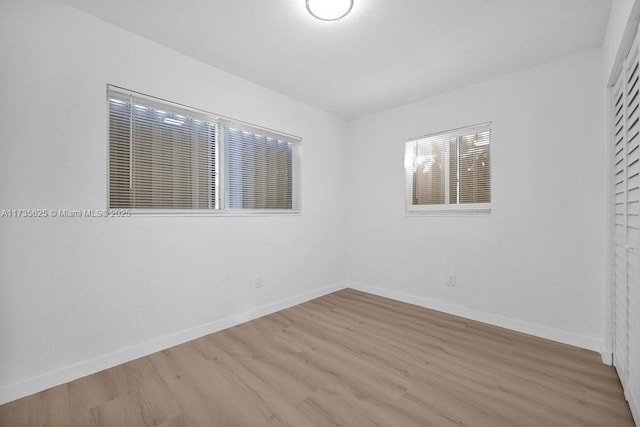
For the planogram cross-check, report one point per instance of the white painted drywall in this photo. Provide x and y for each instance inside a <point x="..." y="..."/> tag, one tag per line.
<point x="539" y="259"/>
<point x="73" y="290"/>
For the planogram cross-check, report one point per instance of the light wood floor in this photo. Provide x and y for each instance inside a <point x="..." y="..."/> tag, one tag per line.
<point x="348" y="358"/>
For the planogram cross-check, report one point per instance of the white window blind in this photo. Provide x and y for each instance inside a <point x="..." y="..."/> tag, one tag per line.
<point x="449" y="171"/>
<point x="167" y="157"/>
<point x="258" y="170"/>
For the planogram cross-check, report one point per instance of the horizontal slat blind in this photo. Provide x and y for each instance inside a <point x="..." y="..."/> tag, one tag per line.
<point x="471" y="172"/>
<point x="259" y="172"/>
<point x="173" y="160"/>
<point x="429" y="171"/>
<point x="159" y="158"/>
<point x="119" y="153"/>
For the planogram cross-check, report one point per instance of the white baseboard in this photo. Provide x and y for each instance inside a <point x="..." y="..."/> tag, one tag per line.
<point x="492" y="319"/>
<point x="82" y="369"/>
<point x="607" y="357"/>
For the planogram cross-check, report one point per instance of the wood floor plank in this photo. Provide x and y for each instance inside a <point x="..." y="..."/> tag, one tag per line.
<point x="345" y="359"/>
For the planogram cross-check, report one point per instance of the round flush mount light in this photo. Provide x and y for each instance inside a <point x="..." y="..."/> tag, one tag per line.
<point x="329" y="10"/>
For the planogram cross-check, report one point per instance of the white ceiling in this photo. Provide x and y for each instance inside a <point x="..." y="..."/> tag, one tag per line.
<point x="384" y="54"/>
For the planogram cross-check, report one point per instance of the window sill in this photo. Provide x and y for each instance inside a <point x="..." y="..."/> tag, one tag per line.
<point x="213" y="213"/>
<point x="449" y="211"/>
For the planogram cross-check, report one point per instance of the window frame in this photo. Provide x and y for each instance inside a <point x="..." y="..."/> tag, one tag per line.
<point x="445" y="209"/>
<point x="219" y="208"/>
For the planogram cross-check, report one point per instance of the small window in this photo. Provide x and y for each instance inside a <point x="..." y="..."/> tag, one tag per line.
<point x="449" y="172"/>
<point x="164" y="157"/>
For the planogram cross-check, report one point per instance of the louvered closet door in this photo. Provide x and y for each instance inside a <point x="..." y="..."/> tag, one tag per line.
<point x="633" y="223"/>
<point x="626" y="240"/>
<point x="620" y="227"/>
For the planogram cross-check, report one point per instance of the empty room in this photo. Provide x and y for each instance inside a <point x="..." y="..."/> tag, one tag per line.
<point x="319" y="213"/>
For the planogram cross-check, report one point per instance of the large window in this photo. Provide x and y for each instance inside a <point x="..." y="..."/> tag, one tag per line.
<point x="449" y="171"/>
<point x="164" y="157"/>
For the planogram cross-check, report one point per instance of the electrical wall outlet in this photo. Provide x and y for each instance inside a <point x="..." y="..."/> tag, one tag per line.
<point x="258" y="280"/>
<point x="451" y="280"/>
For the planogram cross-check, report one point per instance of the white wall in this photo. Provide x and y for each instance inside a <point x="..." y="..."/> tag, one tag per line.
<point x="537" y="263"/>
<point x="74" y="291"/>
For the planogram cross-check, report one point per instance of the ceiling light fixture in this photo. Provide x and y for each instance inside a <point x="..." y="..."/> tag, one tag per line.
<point x="329" y="10"/>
